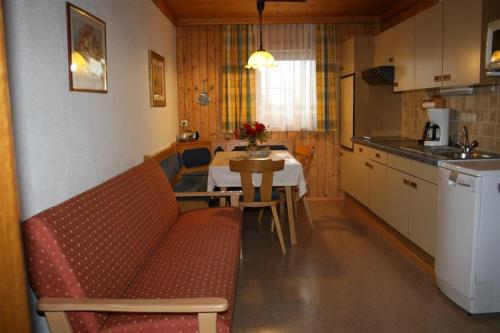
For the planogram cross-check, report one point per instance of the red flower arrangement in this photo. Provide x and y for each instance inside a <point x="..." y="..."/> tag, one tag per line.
<point x="252" y="132"/>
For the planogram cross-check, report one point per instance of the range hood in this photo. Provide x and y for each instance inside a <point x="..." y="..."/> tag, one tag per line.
<point x="379" y="76"/>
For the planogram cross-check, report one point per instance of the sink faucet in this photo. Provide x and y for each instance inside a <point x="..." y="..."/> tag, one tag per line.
<point x="467" y="146"/>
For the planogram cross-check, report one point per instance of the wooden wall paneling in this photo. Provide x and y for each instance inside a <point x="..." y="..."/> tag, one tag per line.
<point x="14" y="310"/>
<point x="203" y="109"/>
<point x="180" y="77"/>
<point x="199" y="50"/>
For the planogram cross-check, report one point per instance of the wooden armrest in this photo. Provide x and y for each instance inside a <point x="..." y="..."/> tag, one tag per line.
<point x="207" y="308"/>
<point x="171" y="305"/>
<point x="234" y="195"/>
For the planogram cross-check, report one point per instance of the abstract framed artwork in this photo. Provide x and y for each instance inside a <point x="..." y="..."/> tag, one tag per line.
<point x="86" y="51"/>
<point x="157" y="79"/>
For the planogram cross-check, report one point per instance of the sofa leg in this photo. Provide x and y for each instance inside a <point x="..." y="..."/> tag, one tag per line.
<point x="207" y="322"/>
<point x="58" y="322"/>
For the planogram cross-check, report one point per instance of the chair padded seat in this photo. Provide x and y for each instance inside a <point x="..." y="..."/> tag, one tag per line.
<point x="187" y="263"/>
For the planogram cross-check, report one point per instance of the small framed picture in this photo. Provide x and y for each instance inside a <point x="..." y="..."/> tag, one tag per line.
<point x="86" y="51"/>
<point x="157" y="79"/>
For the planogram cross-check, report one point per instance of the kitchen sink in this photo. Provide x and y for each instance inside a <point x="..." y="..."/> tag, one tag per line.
<point x="467" y="156"/>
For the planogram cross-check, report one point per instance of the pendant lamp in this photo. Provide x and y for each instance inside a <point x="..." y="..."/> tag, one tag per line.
<point x="260" y="58"/>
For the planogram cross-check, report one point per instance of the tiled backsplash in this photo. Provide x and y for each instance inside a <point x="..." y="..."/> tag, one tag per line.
<point x="480" y="112"/>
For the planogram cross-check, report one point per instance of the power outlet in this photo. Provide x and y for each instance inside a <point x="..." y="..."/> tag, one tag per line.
<point x="184" y="123"/>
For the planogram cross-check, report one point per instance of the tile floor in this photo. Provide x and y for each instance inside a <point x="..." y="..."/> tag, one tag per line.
<point x="342" y="277"/>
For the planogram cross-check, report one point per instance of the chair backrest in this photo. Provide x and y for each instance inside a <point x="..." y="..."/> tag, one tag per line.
<point x="265" y="167"/>
<point x="304" y="154"/>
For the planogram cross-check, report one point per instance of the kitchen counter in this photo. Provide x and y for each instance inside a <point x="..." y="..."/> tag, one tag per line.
<point x="411" y="149"/>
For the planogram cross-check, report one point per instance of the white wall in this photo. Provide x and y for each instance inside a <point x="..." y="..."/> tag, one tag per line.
<point x="67" y="142"/>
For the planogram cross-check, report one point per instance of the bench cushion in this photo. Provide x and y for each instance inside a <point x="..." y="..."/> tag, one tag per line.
<point x="171" y="166"/>
<point x="196" y="157"/>
<point x="198" y="258"/>
<point x="192" y="183"/>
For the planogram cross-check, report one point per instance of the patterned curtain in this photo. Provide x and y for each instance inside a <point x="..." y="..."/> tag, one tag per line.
<point x="325" y="77"/>
<point x="238" y="83"/>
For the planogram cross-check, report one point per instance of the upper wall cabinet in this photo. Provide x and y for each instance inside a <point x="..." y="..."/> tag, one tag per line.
<point x="429" y="47"/>
<point x="404" y="70"/>
<point x="347" y="57"/>
<point x="384" y="48"/>
<point x="461" y="42"/>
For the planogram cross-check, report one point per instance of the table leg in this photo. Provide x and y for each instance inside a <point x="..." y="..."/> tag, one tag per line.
<point x="291" y="219"/>
<point x="223" y="199"/>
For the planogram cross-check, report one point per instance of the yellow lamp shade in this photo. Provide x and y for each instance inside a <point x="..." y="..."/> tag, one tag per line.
<point x="260" y="59"/>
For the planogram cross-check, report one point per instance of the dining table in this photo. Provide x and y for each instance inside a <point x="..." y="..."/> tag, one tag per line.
<point x="292" y="175"/>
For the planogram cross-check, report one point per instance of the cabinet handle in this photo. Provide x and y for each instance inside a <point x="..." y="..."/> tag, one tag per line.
<point x="396" y="84"/>
<point x="391" y="59"/>
<point x="360" y="150"/>
<point x="377" y="155"/>
<point x="341" y="154"/>
<point x="447" y="77"/>
<point x="341" y="68"/>
<point x="414" y="185"/>
<point x="406" y="182"/>
<point x="368" y="165"/>
<point x="438" y="78"/>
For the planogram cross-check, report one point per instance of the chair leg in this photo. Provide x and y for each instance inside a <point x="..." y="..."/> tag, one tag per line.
<point x="308" y="212"/>
<point x="261" y="213"/>
<point x="295" y="195"/>
<point x="278" y="228"/>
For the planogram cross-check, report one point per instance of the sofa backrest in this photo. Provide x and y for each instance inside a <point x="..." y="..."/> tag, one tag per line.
<point x="93" y="245"/>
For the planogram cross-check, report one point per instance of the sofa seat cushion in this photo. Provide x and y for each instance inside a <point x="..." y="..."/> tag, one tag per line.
<point x="197" y="258"/>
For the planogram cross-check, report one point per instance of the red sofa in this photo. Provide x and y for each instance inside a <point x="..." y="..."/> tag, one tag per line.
<point x="121" y="258"/>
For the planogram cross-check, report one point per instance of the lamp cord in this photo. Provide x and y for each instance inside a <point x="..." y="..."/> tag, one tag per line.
<point x="260" y="8"/>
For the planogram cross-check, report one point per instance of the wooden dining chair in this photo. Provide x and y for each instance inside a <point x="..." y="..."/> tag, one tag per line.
<point x="303" y="154"/>
<point x="262" y="196"/>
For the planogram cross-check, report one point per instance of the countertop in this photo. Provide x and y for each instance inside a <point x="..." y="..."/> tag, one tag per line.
<point x="411" y="149"/>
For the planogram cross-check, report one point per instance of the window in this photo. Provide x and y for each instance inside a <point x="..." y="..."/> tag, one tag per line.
<point x="286" y="95"/>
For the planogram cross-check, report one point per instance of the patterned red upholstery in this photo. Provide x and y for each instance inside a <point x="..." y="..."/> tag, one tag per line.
<point x="100" y="243"/>
<point x="198" y="258"/>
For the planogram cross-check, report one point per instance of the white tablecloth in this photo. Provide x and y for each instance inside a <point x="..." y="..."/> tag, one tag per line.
<point x="220" y="175"/>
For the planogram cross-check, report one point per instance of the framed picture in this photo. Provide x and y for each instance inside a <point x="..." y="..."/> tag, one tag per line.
<point x="86" y="51"/>
<point x="157" y="79"/>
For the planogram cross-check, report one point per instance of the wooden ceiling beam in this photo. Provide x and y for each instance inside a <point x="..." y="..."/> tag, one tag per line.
<point x="278" y="20"/>
<point x="165" y="8"/>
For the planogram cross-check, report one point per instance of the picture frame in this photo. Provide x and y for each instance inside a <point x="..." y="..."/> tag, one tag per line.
<point x="157" y="93"/>
<point x="87" y="59"/>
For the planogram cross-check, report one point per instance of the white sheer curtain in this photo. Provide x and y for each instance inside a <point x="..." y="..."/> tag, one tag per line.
<point x="286" y="95"/>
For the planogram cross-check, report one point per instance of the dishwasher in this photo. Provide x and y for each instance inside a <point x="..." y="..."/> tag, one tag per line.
<point x="467" y="258"/>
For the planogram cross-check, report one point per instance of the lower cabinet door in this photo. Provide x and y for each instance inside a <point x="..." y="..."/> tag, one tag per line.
<point x="377" y="201"/>
<point x="423" y="214"/>
<point x="398" y="200"/>
<point x="360" y="174"/>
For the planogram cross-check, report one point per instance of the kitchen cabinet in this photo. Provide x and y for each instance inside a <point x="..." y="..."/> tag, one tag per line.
<point x="383" y="53"/>
<point x="347" y="57"/>
<point x="429" y="47"/>
<point x="377" y="187"/>
<point x="364" y="179"/>
<point x="401" y="191"/>
<point x="398" y="200"/>
<point x="404" y="68"/>
<point x="423" y="214"/>
<point x="461" y="42"/>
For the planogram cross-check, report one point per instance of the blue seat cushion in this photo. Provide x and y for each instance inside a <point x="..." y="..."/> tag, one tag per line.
<point x="196" y="157"/>
<point x="275" y="195"/>
<point x="171" y="166"/>
<point x="191" y="183"/>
